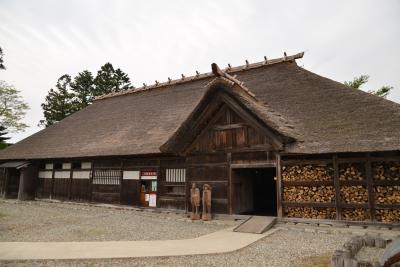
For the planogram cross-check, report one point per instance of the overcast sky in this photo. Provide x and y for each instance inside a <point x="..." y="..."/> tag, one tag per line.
<point x="153" y="40"/>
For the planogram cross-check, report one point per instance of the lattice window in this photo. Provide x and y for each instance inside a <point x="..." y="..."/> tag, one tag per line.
<point x="110" y="177"/>
<point x="176" y="175"/>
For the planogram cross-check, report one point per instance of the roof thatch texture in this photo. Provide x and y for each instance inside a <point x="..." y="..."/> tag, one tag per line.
<point x="323" y="116"/>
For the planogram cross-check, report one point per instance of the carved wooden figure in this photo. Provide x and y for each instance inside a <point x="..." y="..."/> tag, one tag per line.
<point x="206" y="202"/>
<point x="195" y="201"/>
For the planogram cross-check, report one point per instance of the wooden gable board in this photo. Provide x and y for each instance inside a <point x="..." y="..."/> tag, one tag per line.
<point x="227" y="105"/>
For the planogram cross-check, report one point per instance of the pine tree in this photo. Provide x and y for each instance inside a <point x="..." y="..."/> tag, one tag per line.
<point x="2" y="133"/>
<point x="71" y="96"/>
<point x="3" y="139"/>
<point x="59" y="102"/>
<point x="109" y="80"/>
<point x="357" y="82"/>
<point x="83" y="89"/>
<point x="2" y="67"/>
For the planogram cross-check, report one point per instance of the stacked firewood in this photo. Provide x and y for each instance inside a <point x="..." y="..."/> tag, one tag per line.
<point x="351" y="172"/>
<point x="387" y="194"/>
<point x="355" y="214"/>
<point x="309" y="194"/>
<point x="312" y="213"/>
<point x="307" y="173"/>
<point x="386" y="170"/>
<point x="354" y="194"/>
<point x="387" y="215"/>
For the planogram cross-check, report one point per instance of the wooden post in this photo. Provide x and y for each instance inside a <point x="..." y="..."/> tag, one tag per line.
<point x="186" y="187"/>
<point x="91" y="182"/>
<point x="159" y="174"/>
<point x="70" y="183"/>
<point x="337" y="187"/>
<point x="52" y="183"/>
<point x="121" y="176"/>
<point x="229" y="162"/>
<point x="370" y="185"/>
<point x="279" y="186"/>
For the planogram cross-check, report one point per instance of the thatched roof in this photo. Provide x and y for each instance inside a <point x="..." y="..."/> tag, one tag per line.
<point x="321" y="115"/>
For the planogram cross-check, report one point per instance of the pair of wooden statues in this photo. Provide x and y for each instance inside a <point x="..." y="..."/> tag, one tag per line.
<point x="195" y="201"/>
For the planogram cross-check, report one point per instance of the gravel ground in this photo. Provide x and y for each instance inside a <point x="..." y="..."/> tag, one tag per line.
<point x="283" y="248"/>
<point x="42" y="221"/>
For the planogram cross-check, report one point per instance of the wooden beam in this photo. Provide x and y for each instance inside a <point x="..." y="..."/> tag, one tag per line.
<point x="309" y="204"/>
<point x="90" y="189"/>
<point x="230" y="126"/>
<point x="279" y="186"/>
<point x="218" y="72"/>
<point x="52" y="183"/>
<point x="253" y="165"/>
<point x="307" y="162"/>
<point x="187" y="186"/>
<point x="337" y="187"/>
<point x="229" y="163"/>
<point x="308" y="183"/>
<point x="70" y="183"/>
<point x="371" y="195"/>
<point x="121" y="175"/>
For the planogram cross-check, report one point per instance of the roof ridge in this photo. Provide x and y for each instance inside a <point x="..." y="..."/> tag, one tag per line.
<point x="200" y="76"/>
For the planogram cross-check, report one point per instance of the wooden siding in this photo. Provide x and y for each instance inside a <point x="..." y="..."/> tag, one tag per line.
<point x="229" y="131"/>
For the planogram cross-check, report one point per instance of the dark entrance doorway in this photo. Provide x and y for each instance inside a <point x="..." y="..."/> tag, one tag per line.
<point x="12" y="183"/>
<point x="254" y="191"/>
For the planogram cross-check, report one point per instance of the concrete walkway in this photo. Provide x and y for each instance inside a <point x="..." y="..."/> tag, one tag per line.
<point x="217" y="242"/>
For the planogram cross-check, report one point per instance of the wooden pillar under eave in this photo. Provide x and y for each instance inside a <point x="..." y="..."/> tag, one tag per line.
<point x="27" y="183"/>
<point x="279" y="185"/>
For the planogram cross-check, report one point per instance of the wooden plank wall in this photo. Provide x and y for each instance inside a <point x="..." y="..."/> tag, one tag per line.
<point x="172" y="194"/>
<point x="107" y="186"/>
<point x="213" y="170"/>
<point x="229" y="131"/>
<point x="365" y="187"/>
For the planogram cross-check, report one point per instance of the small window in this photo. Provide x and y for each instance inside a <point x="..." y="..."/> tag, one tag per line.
<point x="76" y="165"/>
<point x="66" y="166"/>
<point x="175" y="175"/>
<point x="42" y="166"/>
<point x="57" y="166"/>
<point x="49" y="166"/>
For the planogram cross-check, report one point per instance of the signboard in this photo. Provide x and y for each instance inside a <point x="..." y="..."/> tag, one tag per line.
<point x="153" y="200"/>
<point x="131" y="175"/>
<point x="148" y="175"/>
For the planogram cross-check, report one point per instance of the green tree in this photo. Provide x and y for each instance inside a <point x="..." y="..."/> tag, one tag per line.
<point x="58" y="102"/>
<point x="110" y="80"/>
<point x="3" y="139"/>
<point x="83" y="89"/>
<point x="357" y="82"/>
<point x="12" y="108"/>
<point x="73" y="95"/>
<point x="2" y="67"/>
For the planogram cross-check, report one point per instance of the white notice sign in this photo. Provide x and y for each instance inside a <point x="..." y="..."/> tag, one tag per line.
<point x="146" y="197"/>
<point x="153" y="200"/>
